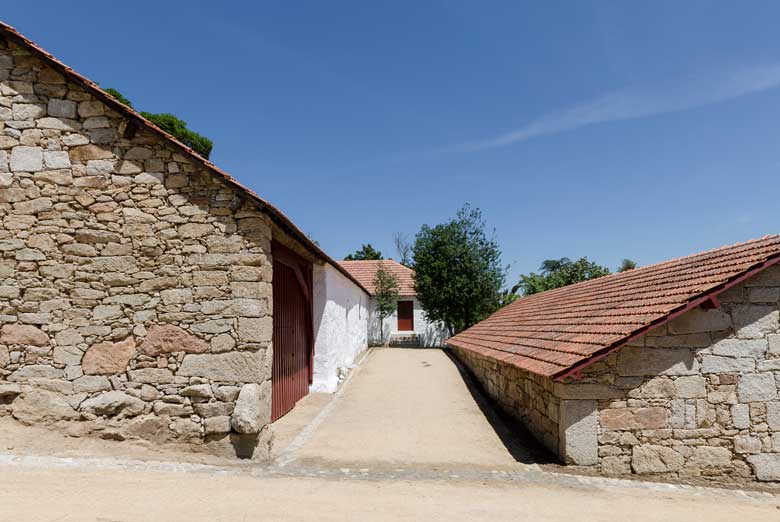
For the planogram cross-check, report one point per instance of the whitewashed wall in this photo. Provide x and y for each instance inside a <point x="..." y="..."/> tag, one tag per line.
<point x="430" y="334"/>
<point x="340" y="326"/>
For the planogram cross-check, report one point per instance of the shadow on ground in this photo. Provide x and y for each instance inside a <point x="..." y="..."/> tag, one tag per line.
<point x="517" y="440"/>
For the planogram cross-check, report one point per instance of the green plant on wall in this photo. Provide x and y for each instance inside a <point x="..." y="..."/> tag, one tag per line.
<point x="172" y="125"/>
<point x="177" y="127"/>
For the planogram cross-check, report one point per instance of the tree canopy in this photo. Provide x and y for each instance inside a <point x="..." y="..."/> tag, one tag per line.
<point x="626" y="265"/>
<point x="172" y="125"/>
<point x="385" y="296"/>
<point x="555" y="273"/>
<point x="458" y="272"/>
<point x="366" y="252"/>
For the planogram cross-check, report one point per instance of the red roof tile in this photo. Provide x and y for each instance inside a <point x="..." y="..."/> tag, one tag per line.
<point x="277" y="215"/>
<point x="559" y="331"/>
<point x="365" y="271"/>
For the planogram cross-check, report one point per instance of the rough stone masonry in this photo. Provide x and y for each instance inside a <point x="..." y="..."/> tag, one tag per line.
<point x="698" y="397"/>
<point x="135" y="285"/>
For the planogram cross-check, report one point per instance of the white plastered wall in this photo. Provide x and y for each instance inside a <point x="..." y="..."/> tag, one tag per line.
<point x="429" y="333"/>
<point x="340" y="326"/>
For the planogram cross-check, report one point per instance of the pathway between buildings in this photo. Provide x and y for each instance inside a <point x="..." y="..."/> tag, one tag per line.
<point x="411" y="408"/>
<point x="404" y="440"/>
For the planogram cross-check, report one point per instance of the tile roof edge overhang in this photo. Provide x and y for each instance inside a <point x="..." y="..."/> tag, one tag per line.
<point x="574" y="371"/>
<point x="277" y="215"/>
<point x="371" y="294"/>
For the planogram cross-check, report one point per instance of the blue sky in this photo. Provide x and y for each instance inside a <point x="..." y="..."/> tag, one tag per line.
<point x="618" y="129"/>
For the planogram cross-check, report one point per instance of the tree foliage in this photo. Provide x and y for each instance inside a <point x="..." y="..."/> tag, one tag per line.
<point x="366" y="252"/>
<point x="556" y="273"/>
<point x="385" y="296"/>
<point x="626" y="265"/>
<point x="458" y="272"/>
<point x="404" y="248"/>
<point x="172" y="125"/>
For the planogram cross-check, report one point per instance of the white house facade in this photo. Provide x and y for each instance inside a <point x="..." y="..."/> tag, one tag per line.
<point x="407" y="325"/>
<point x="341" y="318"/>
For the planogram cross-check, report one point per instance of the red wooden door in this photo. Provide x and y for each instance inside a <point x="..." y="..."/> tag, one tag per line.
<point x="291" y="338"/>
<point x="405" y="316"/>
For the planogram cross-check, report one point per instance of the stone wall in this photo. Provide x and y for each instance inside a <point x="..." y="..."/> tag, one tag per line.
<point x="135" y="285"/>
<point x="696" y="398"/>
<point x="520" y="394"/>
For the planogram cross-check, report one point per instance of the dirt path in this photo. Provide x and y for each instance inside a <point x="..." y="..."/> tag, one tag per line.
<point x="409" y="408"/>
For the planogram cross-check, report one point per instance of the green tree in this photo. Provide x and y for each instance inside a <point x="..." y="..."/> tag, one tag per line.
<point x="627" y="265"/>
<point x="385" y="297"/>
<point x="509" y="296"/>
<point x="366" y="252"/>
<point x="458" y="272"/>
<point x="172" y="125"/>
<point x="556" y="273"/>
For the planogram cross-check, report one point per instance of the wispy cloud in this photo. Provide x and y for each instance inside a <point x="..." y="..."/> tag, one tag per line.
<point x="637" y="102"/>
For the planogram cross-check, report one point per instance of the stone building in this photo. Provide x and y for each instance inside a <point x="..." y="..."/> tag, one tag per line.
<point x="670" y="370"/>
<point x="140" y="286"/>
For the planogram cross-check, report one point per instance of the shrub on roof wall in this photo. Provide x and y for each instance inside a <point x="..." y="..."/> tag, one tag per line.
<point x="118" y="95"/>
<point x="177" y="127"/>
<point x="172" y="125"/>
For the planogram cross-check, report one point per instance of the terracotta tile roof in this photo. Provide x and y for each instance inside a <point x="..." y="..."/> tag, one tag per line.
<point x="93" y="88"/>
<point x="365" y="271"/>
<point x="558" y="332"/>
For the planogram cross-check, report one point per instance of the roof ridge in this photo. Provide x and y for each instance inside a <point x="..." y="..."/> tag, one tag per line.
<point x="705" y="252"/>
<point x="634" y="271"/>
<point x="593" y="318"/>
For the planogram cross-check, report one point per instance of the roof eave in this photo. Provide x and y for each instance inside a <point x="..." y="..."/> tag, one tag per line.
<point x="575" y="372"/>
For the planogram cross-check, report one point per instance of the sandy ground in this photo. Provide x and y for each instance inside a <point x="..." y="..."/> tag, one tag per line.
<point x="409" y="406"/>
<point x="38" y="495"/>
<point x="405" y="439"/>
<point x="288" y="427"/>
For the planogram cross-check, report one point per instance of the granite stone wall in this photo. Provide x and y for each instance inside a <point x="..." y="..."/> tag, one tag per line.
<point x="135" y="285"/>
<point x="697" y="398"/>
